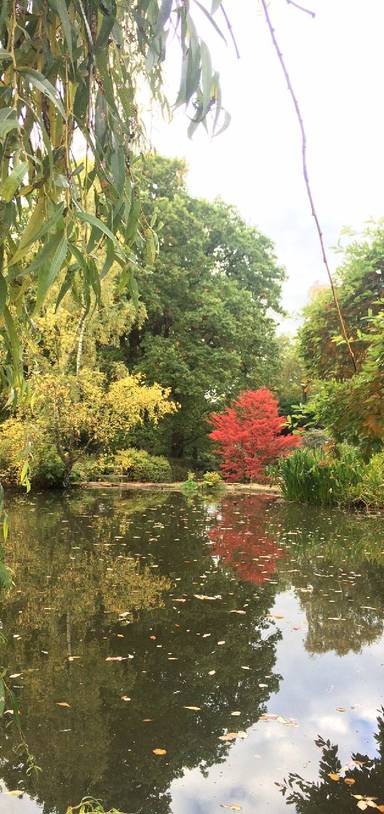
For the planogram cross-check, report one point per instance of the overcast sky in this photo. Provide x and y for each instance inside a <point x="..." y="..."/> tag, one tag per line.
<point x="337" y="64"/>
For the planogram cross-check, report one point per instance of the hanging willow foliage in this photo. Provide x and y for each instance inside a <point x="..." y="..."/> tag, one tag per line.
<point x="71" y="75"/>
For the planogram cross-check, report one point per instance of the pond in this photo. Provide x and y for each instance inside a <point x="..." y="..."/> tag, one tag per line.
<point x="174" y="655"/>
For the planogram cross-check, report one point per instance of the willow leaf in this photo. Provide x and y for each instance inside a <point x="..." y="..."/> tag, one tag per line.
<point x="60" y="7"/>
<point x="48" y="273"/>
<point x="13" y="181"/>
<point x="86" y="217"/>
<point x="43" y="85"/>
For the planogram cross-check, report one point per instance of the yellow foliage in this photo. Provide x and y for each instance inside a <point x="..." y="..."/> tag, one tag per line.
<point x="68" y="414"/>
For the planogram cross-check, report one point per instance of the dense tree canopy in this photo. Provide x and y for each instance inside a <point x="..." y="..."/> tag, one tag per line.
<point x="209" y="300"/>
<point x="350" y="404"/>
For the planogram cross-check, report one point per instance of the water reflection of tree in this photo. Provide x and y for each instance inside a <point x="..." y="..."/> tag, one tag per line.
<point x="335" y="563"/>
<point x="333" y="792"/>
<point x="242" y="542"/>
<point x="101" y="744"/>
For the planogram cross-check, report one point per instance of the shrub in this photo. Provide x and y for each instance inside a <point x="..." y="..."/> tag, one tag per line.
<point x="212" y="481"/>
<point x="315" y="439"/>
<point x="24" y="443"/>
<point x="371" y="488"/>
<point x="323" y="478"/>
<point x="92" y="468"/>
<point x="139" y="465"/>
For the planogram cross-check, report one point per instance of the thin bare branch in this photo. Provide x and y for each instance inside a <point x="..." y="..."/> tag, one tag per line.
<point x="307" y="182"/>
<point x="301" y="8"/>
<point x="230" y="29"/>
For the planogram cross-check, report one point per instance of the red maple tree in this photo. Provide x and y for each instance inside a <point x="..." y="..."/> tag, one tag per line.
<point x="249" y="435"/>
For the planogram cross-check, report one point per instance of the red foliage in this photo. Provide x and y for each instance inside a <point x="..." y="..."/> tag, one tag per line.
<point x="249" y="435"/>
<point x="241" y="541"/>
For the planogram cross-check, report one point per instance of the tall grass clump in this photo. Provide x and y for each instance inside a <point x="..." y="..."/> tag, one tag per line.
<point x="325" y="478"/>
<point x="369" y="492"/>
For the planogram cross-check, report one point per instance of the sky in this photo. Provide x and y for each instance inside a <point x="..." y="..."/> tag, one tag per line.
<point x="336" y="62"/>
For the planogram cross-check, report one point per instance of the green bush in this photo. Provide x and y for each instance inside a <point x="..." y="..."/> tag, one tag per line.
<point x="139" y="465"/>
<point x="212" y="481"/>
<point x="323" y="478"/>
<point x="92" y="468"/>
<point x="370" y="490"/>
<point x="315" y="439"/>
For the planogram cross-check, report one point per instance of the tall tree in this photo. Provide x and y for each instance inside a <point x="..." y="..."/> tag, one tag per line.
<point x="210" y="300"/>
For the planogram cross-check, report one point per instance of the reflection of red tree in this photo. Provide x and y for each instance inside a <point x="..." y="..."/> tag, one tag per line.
<point x="240" y="539"/>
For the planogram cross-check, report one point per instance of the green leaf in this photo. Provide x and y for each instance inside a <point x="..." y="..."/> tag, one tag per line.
<point x="133" y="220"/>
<point x="5" y="55"/>
<point x="211" y="20"/>
<point x="39" y="81"/>
<point x="13" y="338"/>
<point x="8" y="121"/>
<point x="164" y="15"/>
<point x="48" y="273"/>
<point x="37" y="226"/>
<point x="68" y="280"/>
<point x="60" y="7"/>
<point x="3" y="297"/>
<point x="45" y="253"/>
<point x="206" y="76"/>
<point x="13" y="181"/>
<point x="2" y="696"/>
<point x="86" y="217"/>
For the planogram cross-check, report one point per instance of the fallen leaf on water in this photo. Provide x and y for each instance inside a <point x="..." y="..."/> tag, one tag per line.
<point x="222" y="642"/>
<point x="125" y="698"/>
<point x="116" y="658"/>
<point x="362" y="805"/>
<point x="159" y="751"/>
<point x="231" y="806"/>
<point x="194" y="709"/>
<point x="203" y="596"/>
<point x="334" y="776"/>
<point x="211" y="672"/>
<point x="236" y="713"/>
<point x="276" y="616"/>
<point x="340" y="709"/>
<point x="231" y="736"/>
<point x="349" y="781"/>
<point x="181" y="599"/>
<point x="238" y="611"/>
<point x="62" y="704"/>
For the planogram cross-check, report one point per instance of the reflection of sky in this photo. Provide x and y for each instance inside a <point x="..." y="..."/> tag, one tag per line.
<point x="310" y="690"/>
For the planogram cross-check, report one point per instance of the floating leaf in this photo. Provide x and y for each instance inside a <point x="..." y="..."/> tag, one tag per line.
<point x="159" y="751"/>
<point x="194" y="709"/>
<point x="63" y="704"/>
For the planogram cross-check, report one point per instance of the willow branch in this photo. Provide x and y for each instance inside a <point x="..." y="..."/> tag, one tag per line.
<point x="230" y="29"/>
<point x="296" y="105"/>
<point x="301" y="8"/>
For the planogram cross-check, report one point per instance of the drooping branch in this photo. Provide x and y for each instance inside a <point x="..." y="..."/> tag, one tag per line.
<point x="230" y="29"/>
<point x="314" y="213"/>
<point x="301" y="8"/>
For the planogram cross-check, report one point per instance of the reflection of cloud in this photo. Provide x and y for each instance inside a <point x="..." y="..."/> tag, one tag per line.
<point x="312" y="688"/>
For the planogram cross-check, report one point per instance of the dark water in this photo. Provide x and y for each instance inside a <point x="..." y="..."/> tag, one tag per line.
<point x="129" y="609"/>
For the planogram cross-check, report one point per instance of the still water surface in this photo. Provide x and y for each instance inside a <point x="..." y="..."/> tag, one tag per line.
<point x="226" y="633"/>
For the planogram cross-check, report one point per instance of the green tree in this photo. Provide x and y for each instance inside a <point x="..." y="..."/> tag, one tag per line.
<point x="209" y="300"/>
